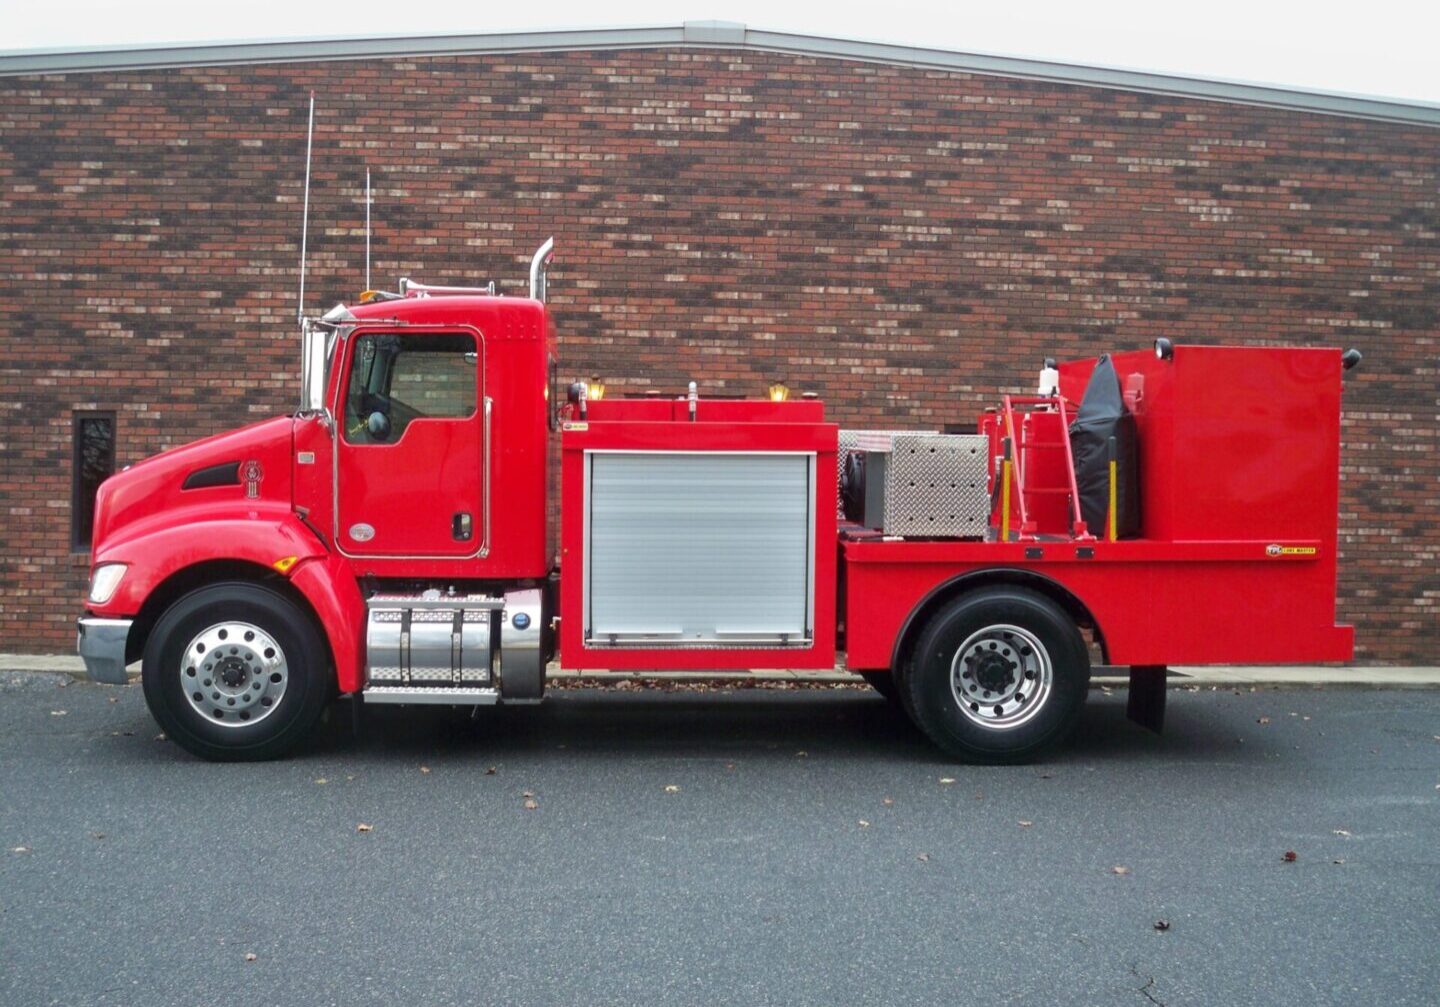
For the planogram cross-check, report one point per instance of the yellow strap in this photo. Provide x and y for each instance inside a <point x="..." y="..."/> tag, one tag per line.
<point x="1005" y="500"/>
<point x="1113" y="536"/>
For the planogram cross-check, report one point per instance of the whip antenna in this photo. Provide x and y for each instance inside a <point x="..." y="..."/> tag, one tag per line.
<point x="305" y="218"/>
<point x="367" y="229"/>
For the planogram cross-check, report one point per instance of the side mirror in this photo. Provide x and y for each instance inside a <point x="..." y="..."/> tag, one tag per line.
<point x="378" y="426"/>
<point x="312" y="368"/>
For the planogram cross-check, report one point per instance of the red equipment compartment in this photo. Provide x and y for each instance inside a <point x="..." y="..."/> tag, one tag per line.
<point x="1239" y="490"/>
<point x="616" y="433"/>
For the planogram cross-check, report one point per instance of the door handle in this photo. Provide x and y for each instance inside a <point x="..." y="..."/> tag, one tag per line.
<point x="461" y="527"/>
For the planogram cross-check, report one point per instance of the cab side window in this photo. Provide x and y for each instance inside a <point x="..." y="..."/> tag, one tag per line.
<point x="396" y="379"/>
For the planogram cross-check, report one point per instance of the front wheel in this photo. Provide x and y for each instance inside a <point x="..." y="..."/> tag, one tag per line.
<point x="998" y="676"/>
<point x="235" y="672"/>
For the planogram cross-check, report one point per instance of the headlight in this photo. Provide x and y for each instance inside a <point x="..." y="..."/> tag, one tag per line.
<point x="104" y="582"/>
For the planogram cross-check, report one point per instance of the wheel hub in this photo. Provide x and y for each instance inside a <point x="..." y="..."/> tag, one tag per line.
<point x="234" y="673"/>
<point x="1001" y="676"/>
<point x="994" y="672"/>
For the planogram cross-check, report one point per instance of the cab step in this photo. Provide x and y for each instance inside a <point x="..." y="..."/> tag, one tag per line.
<point x="431" y="694"/>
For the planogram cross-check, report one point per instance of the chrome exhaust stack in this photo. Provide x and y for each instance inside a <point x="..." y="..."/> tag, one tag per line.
<point x="539" y="262"/>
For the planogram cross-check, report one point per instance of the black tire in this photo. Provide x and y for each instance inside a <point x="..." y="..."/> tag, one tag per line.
<point x="884" y="683"/>
<point x="1009" y="635"/>
<point x="307" y="682"/>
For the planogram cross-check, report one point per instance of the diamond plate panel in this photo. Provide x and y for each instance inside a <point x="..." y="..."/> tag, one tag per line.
<point x="936" y="486"/>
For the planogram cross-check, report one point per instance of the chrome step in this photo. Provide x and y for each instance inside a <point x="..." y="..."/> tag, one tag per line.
<point x="435" y="695"/>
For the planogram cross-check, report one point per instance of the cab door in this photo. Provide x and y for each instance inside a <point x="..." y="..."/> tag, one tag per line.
<point x="410" y="456"/>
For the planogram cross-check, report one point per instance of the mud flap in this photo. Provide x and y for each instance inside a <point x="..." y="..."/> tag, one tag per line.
<point x="1146" y="701"/>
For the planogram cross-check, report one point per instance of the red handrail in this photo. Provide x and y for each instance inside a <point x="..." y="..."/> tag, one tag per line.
<point x="1079" y="529"/>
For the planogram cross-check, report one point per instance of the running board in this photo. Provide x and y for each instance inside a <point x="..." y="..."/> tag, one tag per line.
<point x="433" y="695"/>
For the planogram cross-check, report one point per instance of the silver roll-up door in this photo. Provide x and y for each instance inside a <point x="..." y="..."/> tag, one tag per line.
<point x="699" y="549"/>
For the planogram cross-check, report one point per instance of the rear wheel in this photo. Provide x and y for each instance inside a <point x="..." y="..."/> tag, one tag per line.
<point x="998" y="676"/>
<point x="235" y="672"/>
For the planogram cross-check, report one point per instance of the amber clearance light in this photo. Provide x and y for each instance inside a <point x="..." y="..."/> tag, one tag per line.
<point x="778" y="392"/>
<point x="594" y="389"/>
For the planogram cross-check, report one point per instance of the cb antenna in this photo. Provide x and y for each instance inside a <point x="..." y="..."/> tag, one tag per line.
<point x="367" y="229"/>
<point x="305" y="218"/>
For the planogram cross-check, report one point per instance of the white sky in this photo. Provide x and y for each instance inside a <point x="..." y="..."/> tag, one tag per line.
<point x="1377" y="47"/>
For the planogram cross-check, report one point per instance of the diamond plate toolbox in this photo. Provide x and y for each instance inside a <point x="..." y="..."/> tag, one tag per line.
<point x="936" y="486"/>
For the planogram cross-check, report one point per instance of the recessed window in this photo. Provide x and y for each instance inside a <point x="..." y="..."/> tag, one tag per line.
<point x="94" y="462"/>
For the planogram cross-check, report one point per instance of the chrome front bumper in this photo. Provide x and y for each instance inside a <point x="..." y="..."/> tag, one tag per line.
<point x="101" y="644"/>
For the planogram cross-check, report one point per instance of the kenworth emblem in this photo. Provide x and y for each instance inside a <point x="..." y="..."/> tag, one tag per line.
<point x="252" y="473"/>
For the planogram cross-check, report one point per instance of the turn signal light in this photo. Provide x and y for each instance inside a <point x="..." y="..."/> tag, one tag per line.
<point x="594" y="390"/>
<point x="778" y="392"/>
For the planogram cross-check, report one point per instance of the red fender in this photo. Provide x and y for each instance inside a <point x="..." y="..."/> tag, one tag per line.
<point x="268" y="535"/>
<point x="331" y="590"/>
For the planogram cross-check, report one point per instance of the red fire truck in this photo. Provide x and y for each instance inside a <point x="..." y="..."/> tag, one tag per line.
<point x="392" y="541"/>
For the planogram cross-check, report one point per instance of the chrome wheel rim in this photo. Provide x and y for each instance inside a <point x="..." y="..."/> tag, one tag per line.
<point x="1001" y="677"/>
<point x="234" y="674"/>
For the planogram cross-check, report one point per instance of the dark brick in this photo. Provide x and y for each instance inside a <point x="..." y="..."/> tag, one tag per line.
<point x="906" y="242"/>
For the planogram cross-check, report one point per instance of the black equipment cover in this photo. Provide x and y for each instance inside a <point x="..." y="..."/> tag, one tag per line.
<point x="1102" y="415"/>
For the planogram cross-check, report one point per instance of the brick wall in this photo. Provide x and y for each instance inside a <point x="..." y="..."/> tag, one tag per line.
<point x="905" y="242"/>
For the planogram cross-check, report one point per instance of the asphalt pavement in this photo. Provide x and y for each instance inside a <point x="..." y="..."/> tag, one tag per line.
<point x="750" y="847"/>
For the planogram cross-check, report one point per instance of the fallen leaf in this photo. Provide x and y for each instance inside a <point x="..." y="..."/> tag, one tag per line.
<point x="490" y="771"/>
<point x="864" y="824"/>
<point x="671" y="788"/>
<point x="1162" y="925"/>
<point x="924" y="858"/>
<point x="888" y="801"/>
<point x="363" y="827"/>
<point x="1341" y="832"/>
<point x="946" y="780"/>
<point x="1263" y="720"/>
<point x="530" y="804"/>
<point x="321" y="780"/>
<point x="424" y="769"/>
<point x="250" y="956"/>
<point x="1024" y="824"/>
<point x="19" y="849"/>
<point x="58" y="713"/>
<point x="1119" y="869"/>
<point x="112" y="699"/>
<point x="97" y="835"/>
<point x="1290" y="856"/>
<point x="1338" y="860"/>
